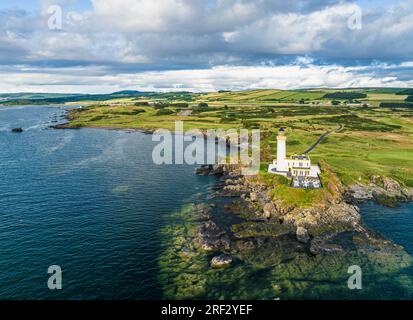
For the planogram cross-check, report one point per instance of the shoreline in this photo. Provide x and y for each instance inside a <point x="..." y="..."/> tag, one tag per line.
<point x="69" y="127"/>
<point x="388" y="192"/>
<point x="214" y="246"/>
<point x="344" y="206"/>
<point x="203" y="134"/>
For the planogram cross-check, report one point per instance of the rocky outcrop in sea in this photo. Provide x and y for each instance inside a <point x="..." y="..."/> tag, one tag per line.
<point x="383" y="190"/>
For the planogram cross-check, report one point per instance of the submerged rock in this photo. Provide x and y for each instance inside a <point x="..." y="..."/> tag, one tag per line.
<point x="385" y="199"/>
<point x="212" y="238"/>
<point x="302" y="235"/>
<point x="204" y="211"/>
<point x="223" y="260"/>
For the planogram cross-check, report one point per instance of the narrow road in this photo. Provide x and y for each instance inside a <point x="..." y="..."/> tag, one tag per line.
<point x="322" y="137"/>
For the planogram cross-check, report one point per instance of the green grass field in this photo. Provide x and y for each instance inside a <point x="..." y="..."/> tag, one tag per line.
<point x="374" y="141"/>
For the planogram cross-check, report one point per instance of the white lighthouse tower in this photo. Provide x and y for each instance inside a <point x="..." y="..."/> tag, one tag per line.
<point x="282" y="164"/>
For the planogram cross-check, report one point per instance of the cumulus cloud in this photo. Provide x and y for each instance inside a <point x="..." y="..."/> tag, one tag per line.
<point x="293" y="33"/>
<point x="302" y="74"/>
<point x="178" y="31"/>
<point x="193" y="15"/>
<point x="245" y="42"/>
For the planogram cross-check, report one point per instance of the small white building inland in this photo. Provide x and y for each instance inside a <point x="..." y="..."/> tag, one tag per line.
<point x="297" y="167"/>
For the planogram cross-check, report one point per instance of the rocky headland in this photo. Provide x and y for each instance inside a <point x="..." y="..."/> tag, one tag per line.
<point x="245" y="242"/>
<point x="332" y="225"/>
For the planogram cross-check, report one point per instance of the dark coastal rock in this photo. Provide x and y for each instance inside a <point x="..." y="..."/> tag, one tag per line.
<point x="360" y="193"/>
<point x="217" y="187"/>
<point x="269" y="210"/>
<point x="212" y="238"/>
<point x="313" y="249"/>
<point x="323" y="246"/>
<point x="261" y="229"/>
<point x="352" y="241"/>
<point x="225" y="243"/>
<point x="204" y="211"/>
<point x="208" y="169"/>
<point x="302" y="235"/>
<point x="386" y="199"/>
<point x="383" y="190"/>
<point x="324" y="219"/>
<point x="215" y="244"/>
<point x="218" y="170"/>
<point x="345" y="215"/>
<point x="64" y="126"/>
<point x="233" y="190"/>
<point x="244" y="245"/>
<point x="281" y="208"/>
<point x="272" y="211"/>
<point x="254" y="196"/>
<point x="408" y="193"/>
<point x="210" y="245"/>
<point x="204" y="170"/>
<point x="17" y="130"/>
<point x="222" y="260"/>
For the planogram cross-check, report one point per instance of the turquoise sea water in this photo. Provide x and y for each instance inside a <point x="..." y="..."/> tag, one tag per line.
<point x="90" y="201"/>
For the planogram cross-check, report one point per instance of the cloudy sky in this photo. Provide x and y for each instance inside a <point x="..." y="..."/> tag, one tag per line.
<point x="203" y="45"/>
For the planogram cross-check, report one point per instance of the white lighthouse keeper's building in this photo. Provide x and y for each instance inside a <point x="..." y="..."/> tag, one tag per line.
<point x="294" y="166"/>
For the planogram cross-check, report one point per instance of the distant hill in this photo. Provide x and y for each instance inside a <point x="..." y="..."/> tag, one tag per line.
<point x="406" y="92"/>
<point x="28" y="95"/>
<point x="57" y="98"/>
<point x="255" y="96"/>
<point x="49" y="98"/>
<point x="128" y="93"/>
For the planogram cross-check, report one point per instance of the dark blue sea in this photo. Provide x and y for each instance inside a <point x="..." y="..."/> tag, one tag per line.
<point x="394" y="223"/>
<point x="90" y="201"/>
